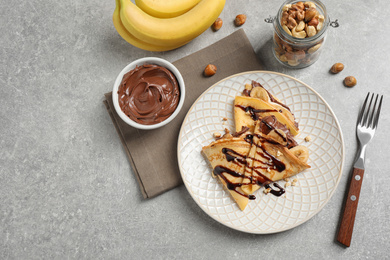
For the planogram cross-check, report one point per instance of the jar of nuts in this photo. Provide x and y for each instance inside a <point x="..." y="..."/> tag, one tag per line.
<point x="299" y="33"/>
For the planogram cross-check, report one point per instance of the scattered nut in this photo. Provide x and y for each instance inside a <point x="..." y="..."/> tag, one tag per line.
<point x="240" y="19"/>
<point x="278" y="153"/>
<point x="287" y="184"/>
<point x="224" y="119"/>
<point x="350" y="81"/>
<point x="266" y="191"/>
<point x="210" y="70"/>
<point x="308" y="138"/>
<point x="217" y="135"/>
<point x="337" y="67"/>
<point x="217" y="24"/>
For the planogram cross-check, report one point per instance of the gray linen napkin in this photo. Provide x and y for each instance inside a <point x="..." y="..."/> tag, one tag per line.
<point x="153" y="153"/>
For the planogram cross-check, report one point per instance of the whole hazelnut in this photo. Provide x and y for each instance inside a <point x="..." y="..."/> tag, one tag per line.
<point x="313" y="22"/>
<point x="210" y="70"/>
<point x="217" y="24"/>
<point x="240" y="19"/>
<point x="350" y="81"/>
<point x="337" y="67"/>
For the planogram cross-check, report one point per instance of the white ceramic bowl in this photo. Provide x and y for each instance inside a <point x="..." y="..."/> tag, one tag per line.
<point x="131" y="66"/>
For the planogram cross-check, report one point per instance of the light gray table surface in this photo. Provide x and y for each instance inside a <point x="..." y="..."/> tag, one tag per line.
<point x="66" y="186"/>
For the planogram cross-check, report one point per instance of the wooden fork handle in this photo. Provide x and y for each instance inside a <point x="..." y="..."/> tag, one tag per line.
<point x="351" y="203"/>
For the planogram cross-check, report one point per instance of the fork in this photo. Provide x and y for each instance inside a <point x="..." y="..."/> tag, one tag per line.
<point x="366" y="125"/>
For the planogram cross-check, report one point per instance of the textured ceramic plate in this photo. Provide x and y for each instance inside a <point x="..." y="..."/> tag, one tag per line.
<point x="268" y="213"/>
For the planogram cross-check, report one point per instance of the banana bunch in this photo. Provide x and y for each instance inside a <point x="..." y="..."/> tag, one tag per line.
<point x="162" y="25"/>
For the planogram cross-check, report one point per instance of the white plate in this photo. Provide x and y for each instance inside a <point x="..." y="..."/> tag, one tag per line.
<point x="268" y="213"/>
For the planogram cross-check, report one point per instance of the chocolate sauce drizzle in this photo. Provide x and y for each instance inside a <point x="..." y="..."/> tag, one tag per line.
<point x="279" y="192"/>
<point x="254" y="112"/>
<point x="239" y="159"/>
<point x="270" y="123"/>
<point x="247" y="92"/>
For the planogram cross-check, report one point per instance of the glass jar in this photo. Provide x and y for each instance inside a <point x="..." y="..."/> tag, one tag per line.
<point x="296" y="47"/>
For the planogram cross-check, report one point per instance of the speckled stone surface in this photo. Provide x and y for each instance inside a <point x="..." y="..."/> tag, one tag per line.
<point x="66" y="186"/>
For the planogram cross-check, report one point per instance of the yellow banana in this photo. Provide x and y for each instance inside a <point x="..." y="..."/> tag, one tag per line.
<point x="166" y="8"/>
<point x="301" y="152"/>
<point x="133" y="40"/>
<point x="170" y="31"/>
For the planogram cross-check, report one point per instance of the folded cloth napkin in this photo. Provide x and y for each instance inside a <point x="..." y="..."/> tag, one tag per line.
<point x="153" y="153"/>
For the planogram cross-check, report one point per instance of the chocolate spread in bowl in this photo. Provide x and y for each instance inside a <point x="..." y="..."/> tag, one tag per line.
<point x="148" y="94"/>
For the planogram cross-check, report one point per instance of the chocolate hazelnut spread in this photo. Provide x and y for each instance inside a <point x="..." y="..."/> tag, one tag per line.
<point x="148" y="94"/>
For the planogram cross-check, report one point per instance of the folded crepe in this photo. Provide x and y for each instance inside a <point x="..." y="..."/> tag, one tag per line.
<point x="262" y="151"/>
<point x="256" y="103"/>
<point x="227" y="158"/>
<point x="271" y="160"/>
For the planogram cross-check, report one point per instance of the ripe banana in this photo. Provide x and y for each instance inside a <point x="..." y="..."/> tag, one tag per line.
<point x="301" y="152"/>
<point x="133" y="40"/>
<point x="170" y="31"/>
<point x="166" y="8"/>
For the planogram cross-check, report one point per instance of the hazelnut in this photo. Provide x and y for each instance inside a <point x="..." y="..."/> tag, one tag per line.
<point x="217" y="24"/>
<point x="240" y="19"/>
<point x="313" y="22"/>
<point x="337" y="67"/>
<point x="350" y="81"/>
<point x="210" y="70"/>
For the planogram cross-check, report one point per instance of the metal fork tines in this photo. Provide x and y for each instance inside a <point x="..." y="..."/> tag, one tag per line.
<point x="366" y="125"/>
